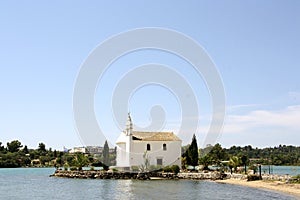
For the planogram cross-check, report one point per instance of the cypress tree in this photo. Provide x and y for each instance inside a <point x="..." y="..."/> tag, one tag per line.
<point x="25" y="150"/>
<point x="106" y="153"/>
<point x="193" y="152"/>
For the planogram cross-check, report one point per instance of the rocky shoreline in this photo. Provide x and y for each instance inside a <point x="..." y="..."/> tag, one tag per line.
<point x="97" y="174"/>
<point x="205" y="175"/>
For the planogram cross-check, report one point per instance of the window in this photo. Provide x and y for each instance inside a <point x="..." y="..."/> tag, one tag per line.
<point x="148" y="147"/>
<point x="164" y="147"/>
<point x="159" y="161"/>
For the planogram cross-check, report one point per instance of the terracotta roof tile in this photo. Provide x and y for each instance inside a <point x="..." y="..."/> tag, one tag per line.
<point x="155" y="136"/>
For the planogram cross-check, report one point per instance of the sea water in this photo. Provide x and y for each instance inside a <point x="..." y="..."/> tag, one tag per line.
<point x="35" y="183"/>
<point x="283" y="170"/>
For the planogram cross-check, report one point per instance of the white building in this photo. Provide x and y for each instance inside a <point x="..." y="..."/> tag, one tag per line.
<point x="78" y="150"/>
<point x="94" y="149"/>
<point x="160" y="148"/>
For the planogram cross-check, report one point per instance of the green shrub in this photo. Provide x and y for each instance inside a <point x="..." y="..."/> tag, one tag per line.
<point x="296" y="179"/>
<point x="135" y="168"/>
<point x="105" y="167"/>
<point x="73" y="168"/>
<point x="66" y="167"/>
<point x="167" y="169"/>
<point x="155" y="167"/>
<point x="297" y="176"/>
<point x="253" y="177"/>
<point x="175" y="169"/>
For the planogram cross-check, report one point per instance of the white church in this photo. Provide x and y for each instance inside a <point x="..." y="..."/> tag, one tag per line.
<point x="161" y="148"/>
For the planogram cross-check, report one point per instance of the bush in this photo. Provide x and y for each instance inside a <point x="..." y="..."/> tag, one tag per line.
<point x="296" y="179"/>
<point x="297" y="176"/>
<point x="254" y="168"/>
<point x="155" y="167"/>
<point x="254" y="177"/>
<point x="135" y="168"/>
<point x="167" y="169"/>
<point x="73" y="168"/>
<point x="66" y="167"/>
<point x="175" y="169"/>
<point x="105" y="167"/>
<point x="114" y="170"/>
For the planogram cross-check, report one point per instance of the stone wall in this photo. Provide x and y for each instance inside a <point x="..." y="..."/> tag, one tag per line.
<point x="96" y="174"/>
<point x="275" y="177"/>
<point x="202" y="175"/>
<point x="137" y="175"/>
<point x="205" y="175"/>
<point x="236" y="176"/>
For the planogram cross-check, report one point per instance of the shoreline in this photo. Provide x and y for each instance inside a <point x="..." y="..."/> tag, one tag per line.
<point x="278" y="183"/>
<point x="279" y="186"/>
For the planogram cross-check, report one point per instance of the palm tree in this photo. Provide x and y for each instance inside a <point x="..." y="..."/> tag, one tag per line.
<point x="206" y="161"/>
<point x="80" y="161"/>
<point x="244" y="160"/>
<point x="234" y="162"/>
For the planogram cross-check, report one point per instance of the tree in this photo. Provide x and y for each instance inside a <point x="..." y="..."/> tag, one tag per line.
<point x="54" y="153"/>
<point x="244" y="160"/>
<point x="185" y="155"/>
<point x="59" y="162"/>
<point x="80" y="161"/>
<point x="193" y="152"/>
<point x="218" y="154"/>
<point x="234" y="162"/>
<point x="44" y="160"/>
<point x="14" y="146"/>
<point x="145" y="166"/>
<point x="42" y="147"/>
<point x="206" y="161"/>
<point x="1" y="147"/>
<point x="106" y="153"/>
<point x="183" y="162"/>
<point x="25" y="149"/>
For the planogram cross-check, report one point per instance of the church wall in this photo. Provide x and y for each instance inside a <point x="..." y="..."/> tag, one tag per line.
<point x="122" y="155"/>
<point x="172" y="155"/>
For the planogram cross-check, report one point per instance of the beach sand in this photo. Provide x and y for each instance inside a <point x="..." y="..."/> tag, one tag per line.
<point x="293" y="189"/>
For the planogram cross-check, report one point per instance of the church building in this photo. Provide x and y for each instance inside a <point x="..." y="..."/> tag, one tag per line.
<point x="160" y="148"/>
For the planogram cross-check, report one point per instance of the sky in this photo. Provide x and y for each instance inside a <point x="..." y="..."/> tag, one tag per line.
<point x="255" y="46"/>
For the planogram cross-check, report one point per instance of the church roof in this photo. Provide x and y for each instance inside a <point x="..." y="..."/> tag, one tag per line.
<point x="154" y="136"/>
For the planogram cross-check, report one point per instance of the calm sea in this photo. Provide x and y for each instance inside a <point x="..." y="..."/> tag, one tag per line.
<point x="290" y="170"/>
<point x="35" y="183"/>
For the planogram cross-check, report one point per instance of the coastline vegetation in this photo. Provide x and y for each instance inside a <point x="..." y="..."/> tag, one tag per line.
<point x="236" y="156"/>
<point x="14" y="154"/>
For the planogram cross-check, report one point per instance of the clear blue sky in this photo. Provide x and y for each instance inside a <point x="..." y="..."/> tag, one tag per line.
<point x="254" y="44"/>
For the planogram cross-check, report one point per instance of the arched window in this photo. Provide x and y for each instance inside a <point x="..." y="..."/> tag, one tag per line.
<point x="148" y="147"/>
<point x="164" y="147"/>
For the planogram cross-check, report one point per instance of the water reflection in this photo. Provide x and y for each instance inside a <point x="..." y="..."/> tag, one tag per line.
<point x="36" y="184"/>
